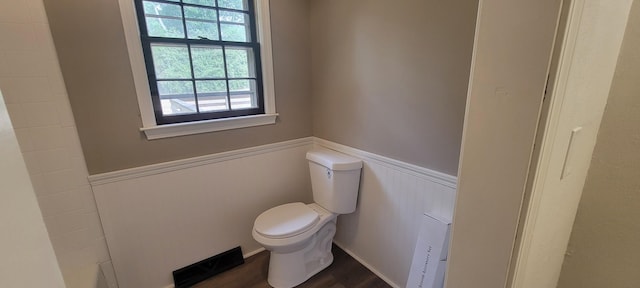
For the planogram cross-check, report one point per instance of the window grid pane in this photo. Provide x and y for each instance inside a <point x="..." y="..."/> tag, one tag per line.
<point x="212" y="95"/>
<point x="207" y="61"/>
<point x="201" y="23"/>
<point x="211" y="3"/>
<point x="171" y="61"/>
<point x="193" y="82"/>
<point x="177" y="97"/>
<point x="239" y="62"/>
<point x="242" y="94"/>
<point x="233" y="4"/>
<point x="163" y="19"/>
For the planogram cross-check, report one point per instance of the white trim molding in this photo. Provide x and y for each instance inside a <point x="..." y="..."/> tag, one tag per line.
<point x="367" y="265"/>
<point x="263" y="22"/>
<point x="138" y="172"/>
<point x="432" y="175"/>
<point x="115" y="176"/>
<point x="252" y="253"/>
<point x="136" y="57"/>
<point x="149" y="126"/>
<point x="188" y="128"/>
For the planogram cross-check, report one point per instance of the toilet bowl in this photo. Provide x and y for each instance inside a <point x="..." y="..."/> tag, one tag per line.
<point x="300" y="235"/>
<point x="300" y="246"/>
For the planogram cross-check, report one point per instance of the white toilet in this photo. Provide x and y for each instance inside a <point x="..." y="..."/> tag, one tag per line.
<point x="299" y="235"/>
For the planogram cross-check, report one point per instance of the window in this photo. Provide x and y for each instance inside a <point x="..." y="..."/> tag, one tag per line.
<point x="200" y="65"/>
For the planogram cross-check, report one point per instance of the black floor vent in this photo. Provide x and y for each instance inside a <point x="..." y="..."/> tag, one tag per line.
<point x="207" y="268"/>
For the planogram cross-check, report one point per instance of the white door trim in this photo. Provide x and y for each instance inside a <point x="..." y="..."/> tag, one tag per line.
<point x="586" y="59"/>
<point x="567" y="46"/>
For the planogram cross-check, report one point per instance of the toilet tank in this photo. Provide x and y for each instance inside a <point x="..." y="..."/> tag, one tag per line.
<point x="335" y="179"/>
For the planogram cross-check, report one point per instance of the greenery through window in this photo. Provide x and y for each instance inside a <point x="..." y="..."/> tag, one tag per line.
<point x="202" y="58"/>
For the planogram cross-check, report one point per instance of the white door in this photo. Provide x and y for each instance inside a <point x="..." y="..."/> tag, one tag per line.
<point x="586" y="65"/>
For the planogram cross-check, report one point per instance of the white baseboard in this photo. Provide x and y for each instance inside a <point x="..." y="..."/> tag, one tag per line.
<point x="365" y="264"/>
<point x="370" y="267"/>
<point x="385" y="279"/>
<point x="254" y="252"/>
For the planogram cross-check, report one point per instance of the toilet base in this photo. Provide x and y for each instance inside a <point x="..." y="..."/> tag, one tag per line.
<point x="291" y="269"/>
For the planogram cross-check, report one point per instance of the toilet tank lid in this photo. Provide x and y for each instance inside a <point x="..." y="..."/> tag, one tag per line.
<point x="334" y="160"/>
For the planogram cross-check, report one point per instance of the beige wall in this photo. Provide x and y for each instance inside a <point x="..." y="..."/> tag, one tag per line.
<point x="603" y="250"/>
<point x="93" y="55"/>
<point x="505" y="95"/>
<point x="389" y="81"/>
<point x="392" y="80"/>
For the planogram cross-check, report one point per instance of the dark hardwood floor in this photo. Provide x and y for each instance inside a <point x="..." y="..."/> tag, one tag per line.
<point x="344" y="272"/>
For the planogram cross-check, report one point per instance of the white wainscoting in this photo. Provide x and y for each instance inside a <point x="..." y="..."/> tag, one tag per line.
<point x="383" y="231"/>
<point x="161" y="217"/>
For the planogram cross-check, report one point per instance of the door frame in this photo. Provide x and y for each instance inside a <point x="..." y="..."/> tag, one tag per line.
<point x="554" y="145"/>
<point x="548" y="126"/>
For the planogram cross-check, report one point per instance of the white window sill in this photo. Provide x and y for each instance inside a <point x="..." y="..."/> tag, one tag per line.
<point x="188" y="128"/>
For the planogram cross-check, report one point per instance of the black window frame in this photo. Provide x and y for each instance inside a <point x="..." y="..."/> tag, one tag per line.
<point x="254" y="45"/>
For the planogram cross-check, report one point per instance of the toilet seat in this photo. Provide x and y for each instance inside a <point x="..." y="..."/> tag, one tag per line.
<point x="286" y="220"/>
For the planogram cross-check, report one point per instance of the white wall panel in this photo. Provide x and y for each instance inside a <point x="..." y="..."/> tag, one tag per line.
<point x="393" y="196"/>
<point x="159" y="222"/>
<point x="163" y="217"/>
